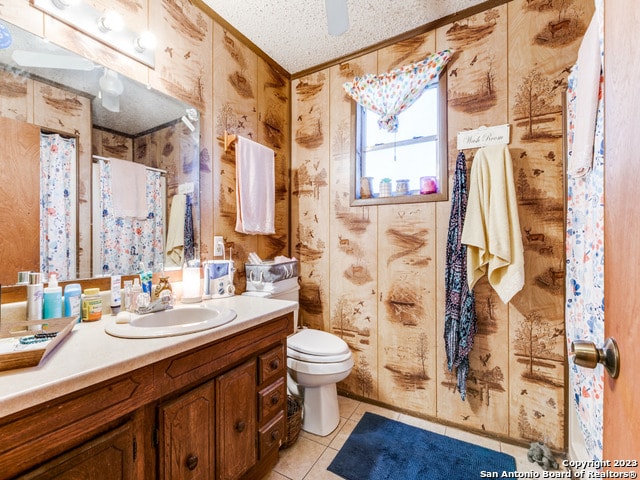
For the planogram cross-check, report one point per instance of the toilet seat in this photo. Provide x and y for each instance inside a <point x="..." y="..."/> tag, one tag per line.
<point x="317" y="346"/>
<point x="319" y="369"/>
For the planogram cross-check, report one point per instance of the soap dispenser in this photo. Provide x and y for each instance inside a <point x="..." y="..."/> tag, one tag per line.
<point x="52" y="298"/>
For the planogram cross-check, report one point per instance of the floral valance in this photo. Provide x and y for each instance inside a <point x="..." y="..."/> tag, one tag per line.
<point x="389" y="94"/>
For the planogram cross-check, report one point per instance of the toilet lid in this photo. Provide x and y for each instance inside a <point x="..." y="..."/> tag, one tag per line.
<point x="316" y="343"/>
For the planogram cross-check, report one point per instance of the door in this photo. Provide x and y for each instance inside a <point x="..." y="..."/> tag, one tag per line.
<point x="622" y="227"/>
<point x="186" y="436"/>
<point x="19" y="199"/>
<point x="236" y="421"/>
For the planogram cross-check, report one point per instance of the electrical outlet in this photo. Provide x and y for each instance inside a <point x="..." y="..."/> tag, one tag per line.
<point x="218" y="246"/>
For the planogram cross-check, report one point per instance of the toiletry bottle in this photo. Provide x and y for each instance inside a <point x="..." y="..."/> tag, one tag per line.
<point x="128" y="285"/>
<point x="115" y="294"/>
<point x="52" y="298"/>
<point x="91" y="305"/>
<point x="73" y="301"/>
<point x="34" y="299"/>
<point x="136" y="290"/>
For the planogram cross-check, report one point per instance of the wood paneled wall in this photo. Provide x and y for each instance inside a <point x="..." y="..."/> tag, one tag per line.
<point x="375" y="275"/>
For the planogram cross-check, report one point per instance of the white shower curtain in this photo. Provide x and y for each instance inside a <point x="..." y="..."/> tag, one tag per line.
<point x="124" y="242"/>
<point x="584" y="310"/>
<point x="57" y="205"/>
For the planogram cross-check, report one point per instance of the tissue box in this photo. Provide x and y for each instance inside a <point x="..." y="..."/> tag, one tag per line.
<point x="270" y="272"/>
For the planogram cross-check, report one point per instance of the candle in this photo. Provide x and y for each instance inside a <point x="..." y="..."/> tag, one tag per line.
<point x="428" y="185"/>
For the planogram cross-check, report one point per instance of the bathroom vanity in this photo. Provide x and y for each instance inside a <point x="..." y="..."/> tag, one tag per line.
<point x="204" y="405"/>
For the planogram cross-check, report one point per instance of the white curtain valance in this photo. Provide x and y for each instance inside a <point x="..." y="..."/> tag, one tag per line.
<point x="389" y="94"/>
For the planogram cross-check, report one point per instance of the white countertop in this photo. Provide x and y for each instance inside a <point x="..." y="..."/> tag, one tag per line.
<point x="89" y="355"/>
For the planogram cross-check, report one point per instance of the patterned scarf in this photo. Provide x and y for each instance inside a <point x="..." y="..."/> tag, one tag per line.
<point x="460" y="324"/>
<point x="189" y="241"/>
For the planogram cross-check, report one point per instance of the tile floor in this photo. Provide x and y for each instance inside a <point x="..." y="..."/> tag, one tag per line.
<point x="309" y="457"/>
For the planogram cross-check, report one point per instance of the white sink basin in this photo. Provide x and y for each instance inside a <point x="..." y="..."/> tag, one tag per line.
<point x="169" y="323"/>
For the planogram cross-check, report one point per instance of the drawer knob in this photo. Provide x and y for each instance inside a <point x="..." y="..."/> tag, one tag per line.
<point x="275" y="364"/>
<point x="275" y="435"/>
<point x="275" y="399"/>
<point x="240" y="426"/>
<point x="192" y="462"/>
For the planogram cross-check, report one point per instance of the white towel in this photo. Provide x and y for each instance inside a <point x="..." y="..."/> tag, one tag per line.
<point x="175" y="232"/>
<point x="255" y="188"/>
<point x="491" y="227"/>
<point x="587" y="70"/>
<point x="129" y="189"/>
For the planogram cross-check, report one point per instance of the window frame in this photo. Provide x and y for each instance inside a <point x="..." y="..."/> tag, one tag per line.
<point x="442" y="149"/>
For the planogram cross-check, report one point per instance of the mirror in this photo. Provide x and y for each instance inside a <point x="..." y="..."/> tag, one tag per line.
<point x="110" y="116"/>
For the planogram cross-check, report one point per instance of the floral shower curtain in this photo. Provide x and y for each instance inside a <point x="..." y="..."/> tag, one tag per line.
<point x="57" y="202"/>
<point x="391" y="93"/>
<point x="584" y="311"/>
<point x="125" y="241"/>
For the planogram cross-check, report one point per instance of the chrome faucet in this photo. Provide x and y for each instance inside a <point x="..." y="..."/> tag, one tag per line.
<point x="165" y="302"/>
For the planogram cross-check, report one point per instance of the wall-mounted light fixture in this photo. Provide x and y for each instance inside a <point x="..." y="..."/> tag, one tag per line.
<point x="105" y="26"/>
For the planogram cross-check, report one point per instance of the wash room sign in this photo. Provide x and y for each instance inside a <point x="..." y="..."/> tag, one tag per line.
<point x="484" y="136"/>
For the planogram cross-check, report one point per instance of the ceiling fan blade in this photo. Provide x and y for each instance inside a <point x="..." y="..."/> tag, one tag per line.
<point x="337" y="16"/>
<point x="25" y="58"/>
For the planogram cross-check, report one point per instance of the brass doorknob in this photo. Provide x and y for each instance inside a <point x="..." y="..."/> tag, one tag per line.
<point x="586" y="354"/>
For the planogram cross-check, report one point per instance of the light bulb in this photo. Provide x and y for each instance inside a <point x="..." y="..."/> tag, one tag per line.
<point x="62" y="4"/>
<point x="110" y="21"/>
<point x="146" y="41"/>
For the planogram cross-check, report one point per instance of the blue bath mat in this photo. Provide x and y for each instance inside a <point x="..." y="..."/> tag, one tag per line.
<point x="383" y="449"/>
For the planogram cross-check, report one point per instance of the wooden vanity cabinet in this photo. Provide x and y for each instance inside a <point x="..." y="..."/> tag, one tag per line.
<point x="217" y="411"/>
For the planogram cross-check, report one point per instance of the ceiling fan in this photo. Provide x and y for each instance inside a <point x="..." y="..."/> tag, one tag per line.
<point x="26" y="58"/>
<point x="110" y="85"/>
<point x="337" y="16"/>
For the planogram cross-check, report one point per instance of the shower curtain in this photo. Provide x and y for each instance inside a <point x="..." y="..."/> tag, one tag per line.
<point x="57" y="205"/>
<point x="124" y="242"/>
<point x="584" y="311"/>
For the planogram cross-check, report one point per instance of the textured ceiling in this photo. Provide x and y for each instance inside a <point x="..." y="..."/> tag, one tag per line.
<point x="294" y="32"/>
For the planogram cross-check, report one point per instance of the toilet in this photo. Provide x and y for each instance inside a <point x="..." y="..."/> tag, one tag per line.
<point x="316" y="361"/>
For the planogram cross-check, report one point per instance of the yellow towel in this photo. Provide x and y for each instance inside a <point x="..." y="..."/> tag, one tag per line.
<point x="175" y="233"/>
<point x="491" y="228"/>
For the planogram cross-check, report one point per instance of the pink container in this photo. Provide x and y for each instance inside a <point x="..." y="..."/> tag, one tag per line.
<point x="428" y="185"/>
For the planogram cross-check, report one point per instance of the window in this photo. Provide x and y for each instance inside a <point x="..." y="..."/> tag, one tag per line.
<point x="409" y="165"/>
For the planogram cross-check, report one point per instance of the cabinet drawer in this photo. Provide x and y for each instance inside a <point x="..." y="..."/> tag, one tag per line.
<point x="272" y="434"/>
<point x="271" y="364"/>
<point x="272" y="398"/>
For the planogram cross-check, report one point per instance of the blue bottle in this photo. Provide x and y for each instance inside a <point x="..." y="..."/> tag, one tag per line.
<point x="52" y="299"/>
<point x="73" y="300"/>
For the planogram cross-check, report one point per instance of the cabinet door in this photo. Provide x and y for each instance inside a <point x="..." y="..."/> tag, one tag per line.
<point x="236" y="412"/>
<point x="108" y="457"/>
<point x="186" y="435"/>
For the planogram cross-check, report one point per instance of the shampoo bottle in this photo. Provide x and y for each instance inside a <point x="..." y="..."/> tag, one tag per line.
<point x="34" y="298"/>
<point x="52" y="298"/>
